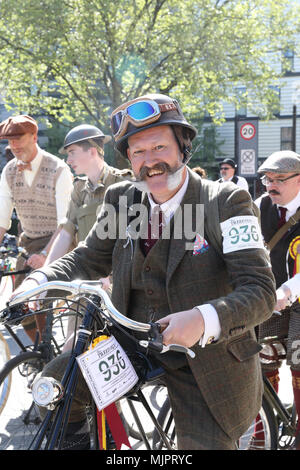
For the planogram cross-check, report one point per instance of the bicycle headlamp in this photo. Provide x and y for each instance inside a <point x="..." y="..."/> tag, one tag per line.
<point x="46" y="391"/>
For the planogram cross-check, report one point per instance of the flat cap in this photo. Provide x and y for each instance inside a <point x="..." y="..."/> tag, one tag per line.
<point x="16" y="126"/>
<point x="284" y="161"/>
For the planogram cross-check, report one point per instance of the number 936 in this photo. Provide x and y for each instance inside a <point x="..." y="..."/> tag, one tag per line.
<point x="245" y="233"/>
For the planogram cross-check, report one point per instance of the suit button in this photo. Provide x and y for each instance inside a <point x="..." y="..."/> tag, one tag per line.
<point x="149" y="291"/>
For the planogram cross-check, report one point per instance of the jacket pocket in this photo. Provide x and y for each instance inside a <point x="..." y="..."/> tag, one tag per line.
<point x="244" y="348"/>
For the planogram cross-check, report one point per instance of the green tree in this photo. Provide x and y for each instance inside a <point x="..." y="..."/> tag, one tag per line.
<point x="75" y="60"/>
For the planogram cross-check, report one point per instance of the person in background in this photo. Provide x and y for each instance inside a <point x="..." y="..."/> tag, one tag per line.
<point x="227" y="171"/>
<point x="38" y="186"/>
<point x="84" y="147"/>
<point x="200" y="171"/>
<point x="280" y="206"/>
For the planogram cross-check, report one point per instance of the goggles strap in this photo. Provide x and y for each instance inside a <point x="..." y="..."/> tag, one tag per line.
<point x="167" y="107"/>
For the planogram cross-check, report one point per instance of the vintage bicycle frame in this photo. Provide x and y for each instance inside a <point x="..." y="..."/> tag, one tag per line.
<point x="69" y="381"/>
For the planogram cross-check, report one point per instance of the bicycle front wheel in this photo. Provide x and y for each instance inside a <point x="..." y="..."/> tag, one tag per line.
<point x="6" y="384"/>
<point x="262" y="434"/>
<point x="20" y="418"/>
<point x="155" y="396"/>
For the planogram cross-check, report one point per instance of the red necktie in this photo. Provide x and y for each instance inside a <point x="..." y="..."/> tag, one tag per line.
<point x="282" y="219"/>
<point x="155" y="226"/>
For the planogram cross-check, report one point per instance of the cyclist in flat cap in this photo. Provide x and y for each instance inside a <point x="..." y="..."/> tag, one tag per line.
<point x="280" y="223"/>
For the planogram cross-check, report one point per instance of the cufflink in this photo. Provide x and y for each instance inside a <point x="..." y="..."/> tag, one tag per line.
<point x="210" y="340"/>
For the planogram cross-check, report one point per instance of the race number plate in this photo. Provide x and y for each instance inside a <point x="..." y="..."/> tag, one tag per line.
<point x="107" y="371"/>
<point x="241" y="233"/>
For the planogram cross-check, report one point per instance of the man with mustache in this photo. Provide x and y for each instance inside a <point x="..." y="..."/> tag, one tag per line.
<point x="281" y="177"/>
<point x="209" y="295"/>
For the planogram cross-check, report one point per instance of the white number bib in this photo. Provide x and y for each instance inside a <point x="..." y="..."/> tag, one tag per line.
<point x="107" y="371"/>
<point x="241" y="233"/>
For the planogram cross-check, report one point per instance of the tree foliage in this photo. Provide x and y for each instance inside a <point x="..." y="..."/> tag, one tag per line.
<point x="75" y="60"/>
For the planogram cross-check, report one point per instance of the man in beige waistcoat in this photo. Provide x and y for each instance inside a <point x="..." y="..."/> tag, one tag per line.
<point x="38" y="186"/>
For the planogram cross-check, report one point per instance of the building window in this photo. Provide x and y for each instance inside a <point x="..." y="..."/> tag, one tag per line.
<point x="286" y="134"/>
<point x="276" y="105"/>
<point x="288" y="60"/>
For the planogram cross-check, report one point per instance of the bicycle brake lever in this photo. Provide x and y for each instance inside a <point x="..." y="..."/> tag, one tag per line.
<point x="161" y="348"/>
<point x="178" y="348"/>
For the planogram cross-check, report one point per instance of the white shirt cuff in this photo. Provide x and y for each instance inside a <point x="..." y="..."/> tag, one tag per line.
<point x="38" y="276"/>
<point x="212" y="327"/>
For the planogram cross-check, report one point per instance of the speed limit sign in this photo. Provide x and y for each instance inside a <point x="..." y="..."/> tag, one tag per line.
<point x="247" y="131"/>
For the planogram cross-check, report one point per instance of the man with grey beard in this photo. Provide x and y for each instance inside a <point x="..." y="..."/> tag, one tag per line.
<point x="209" y="290"/>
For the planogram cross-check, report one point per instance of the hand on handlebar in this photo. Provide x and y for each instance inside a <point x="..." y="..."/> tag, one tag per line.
<point x="184" y="328"/>
<point x="36" y="261"/>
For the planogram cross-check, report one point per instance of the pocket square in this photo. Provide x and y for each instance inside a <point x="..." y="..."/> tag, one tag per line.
<point x="200" y="245"/>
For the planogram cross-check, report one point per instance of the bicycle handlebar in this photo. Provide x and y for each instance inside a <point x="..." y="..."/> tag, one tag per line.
<point x="93" y="287"/>
<point x="82" y="287"/>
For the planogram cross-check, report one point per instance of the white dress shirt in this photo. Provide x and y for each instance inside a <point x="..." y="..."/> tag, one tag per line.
<point x="241" y="182"/>
<point x="64" y="186"/>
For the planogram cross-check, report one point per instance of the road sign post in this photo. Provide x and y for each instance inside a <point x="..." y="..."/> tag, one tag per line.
<point x="247" y="147"/>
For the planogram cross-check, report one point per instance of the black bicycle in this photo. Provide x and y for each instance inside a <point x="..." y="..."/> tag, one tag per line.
<point x="19" y="412"/>
<point x="9" y="254"/>
<point x="99" y="318"/>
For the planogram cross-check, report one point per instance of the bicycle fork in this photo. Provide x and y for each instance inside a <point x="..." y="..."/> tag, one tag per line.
<point x="55" y="432"/>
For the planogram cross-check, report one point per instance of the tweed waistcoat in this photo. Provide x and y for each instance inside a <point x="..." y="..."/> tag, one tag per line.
<point x="36" y="204"/>
<point x="282" y="262"/>
<point x="148" y="297"/>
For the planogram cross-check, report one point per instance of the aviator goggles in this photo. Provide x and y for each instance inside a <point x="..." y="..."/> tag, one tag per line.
<point x="279" y="181"/>
<point x="139" y="113"/>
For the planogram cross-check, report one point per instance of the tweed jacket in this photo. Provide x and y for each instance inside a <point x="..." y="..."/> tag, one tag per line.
<point x="240" y="285"/>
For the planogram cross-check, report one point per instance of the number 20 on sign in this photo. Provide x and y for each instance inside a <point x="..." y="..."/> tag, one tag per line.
<point x="248" y="131"/>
